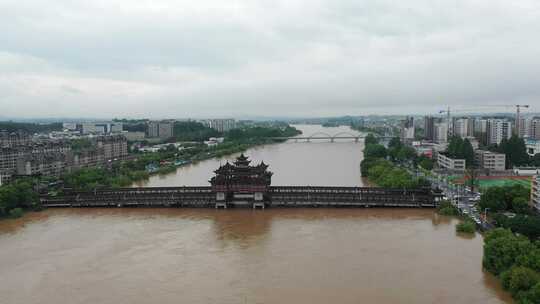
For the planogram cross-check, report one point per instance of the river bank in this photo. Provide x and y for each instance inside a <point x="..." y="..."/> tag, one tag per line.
<point x="315" y="163"/>
<point x="172" y="255"/>
<point x="167" y="160"/>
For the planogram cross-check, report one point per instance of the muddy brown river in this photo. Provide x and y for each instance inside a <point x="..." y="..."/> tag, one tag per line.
<point x="203" y="256"/>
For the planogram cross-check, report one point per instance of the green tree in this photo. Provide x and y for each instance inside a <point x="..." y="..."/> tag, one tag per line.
<point x="520" y="205"/>
<point x="530" y="259"/>
<point x="16" y="197"/>
<point x="532" y="296"/>
<point x="519" y="279"/>
<point x="425" y="162"/>
<point x="502" y="248"/>
<point x="395" y="142"/>
<point x="494" y="199"/>
<point x="461" y="149"/>
<point x="468" y="153"/>
<point x="515" y="150"/>
<point x="535" y="160"/>
<point x="467" y="226"/>
<point x="406" y="153"/>
<point x="370" y="139"/>
<point x="502" y="197"/>
<point x="375" y="151"/>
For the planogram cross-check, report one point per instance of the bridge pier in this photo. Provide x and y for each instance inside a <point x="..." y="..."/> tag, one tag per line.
<point x="258" y="205"/>
<point x="221" y="205"/>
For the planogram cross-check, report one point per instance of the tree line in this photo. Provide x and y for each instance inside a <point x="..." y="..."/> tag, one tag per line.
<point x="516" y="261"/>
<point x="380" y="165"/>
<point x="17" y="197"/>
<point x="29" y="127"/>
<point x="125" y="173"/>
<point x="516" y="152"/>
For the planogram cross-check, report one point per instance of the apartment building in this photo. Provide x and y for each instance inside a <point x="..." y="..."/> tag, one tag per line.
<point x="441" y="132"/>
<point x="497" y="130"/>
<point x="114" y="147"/>
<point x="160" y="129"/>
<point x="407" y="131"/>
<point x="429" y="127"/>
<point x="14" y="139"/>
<point x="463" y="127"/>
<point x="449" y="163"/>
<point x="490" y="160"/>
<point x="46" y="164"/>
<point x="52" y="158"/>
<point x="221" y="125"/>
<point x="534" y="128"/>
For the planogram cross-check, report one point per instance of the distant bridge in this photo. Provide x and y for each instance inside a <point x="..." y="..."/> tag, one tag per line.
<point x="332" y="138"/>
<point x="277" y="196"/>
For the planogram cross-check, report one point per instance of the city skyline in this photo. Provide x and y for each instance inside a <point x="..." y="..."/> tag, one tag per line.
<point x="293" y="59"/>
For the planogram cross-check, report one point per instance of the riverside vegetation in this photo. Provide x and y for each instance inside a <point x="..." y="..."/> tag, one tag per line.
<point x="385" y="167"/>
<point x="21" y="195"/>
<point x="465" y="226"/>
<point x="17" y="197"/>
<point x="125" y="173"/>
<point x="515" y="259"/>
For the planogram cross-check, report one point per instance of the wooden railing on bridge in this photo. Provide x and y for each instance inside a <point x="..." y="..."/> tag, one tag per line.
<point x="277" y="196"/>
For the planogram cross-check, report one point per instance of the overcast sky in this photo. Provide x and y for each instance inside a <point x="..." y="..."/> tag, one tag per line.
<point x="200" y="58"/>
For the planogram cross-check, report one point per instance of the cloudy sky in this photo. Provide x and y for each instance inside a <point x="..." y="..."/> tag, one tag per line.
<point x="199" y="58"/>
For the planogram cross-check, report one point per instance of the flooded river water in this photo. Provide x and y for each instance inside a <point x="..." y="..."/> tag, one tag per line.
<point x="201" y="256"/>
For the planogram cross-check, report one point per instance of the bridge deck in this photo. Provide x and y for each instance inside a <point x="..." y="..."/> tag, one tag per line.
<point x="277" y="196"/>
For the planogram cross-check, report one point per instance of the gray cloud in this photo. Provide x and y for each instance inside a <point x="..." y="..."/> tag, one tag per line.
<point x="221" y="58"/>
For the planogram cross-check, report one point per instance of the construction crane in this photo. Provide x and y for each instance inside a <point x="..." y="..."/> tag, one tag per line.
<point x="518" y="114"/>
<point x="518" y="127"/>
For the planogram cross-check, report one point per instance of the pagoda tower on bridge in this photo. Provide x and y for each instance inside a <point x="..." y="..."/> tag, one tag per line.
<point x="240" y="183"/>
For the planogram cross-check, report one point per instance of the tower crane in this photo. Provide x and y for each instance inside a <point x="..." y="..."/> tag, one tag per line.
<point x="518" y="114"/>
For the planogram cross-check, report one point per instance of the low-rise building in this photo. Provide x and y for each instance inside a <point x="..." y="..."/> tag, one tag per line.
<point x="490" y="160"/>
<point x="5" y="177"/>
<point x="134" y="136"/>
<point x="97" y="127"/>
<point x="14" y="139"/>
<point x="86" y="159"/>
<point x="114" y="147"/>
<point x="535" y="193"/>
<point x="46" y="164"/>
<point x="526" y="171"/>
<point x="532" y="146"/>
<point x="450" y="163"/>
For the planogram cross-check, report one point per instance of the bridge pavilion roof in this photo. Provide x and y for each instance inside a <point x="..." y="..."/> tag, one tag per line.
<point x="241" y="172"/>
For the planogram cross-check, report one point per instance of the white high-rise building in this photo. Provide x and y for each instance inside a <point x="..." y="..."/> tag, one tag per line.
<point x="521" y="127"/>
<point x="407" y="129"/>
<point x="534" y="128"/>
<point x="464" y="127"/>
<point x="221" y="125"/>
<point x="441" y="132"/>
<point x="497" y="130"/>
